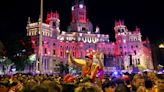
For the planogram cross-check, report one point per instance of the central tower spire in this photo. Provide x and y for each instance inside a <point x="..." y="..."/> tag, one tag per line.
<point x="79" y="12"/>
<point x="80" y="21"/>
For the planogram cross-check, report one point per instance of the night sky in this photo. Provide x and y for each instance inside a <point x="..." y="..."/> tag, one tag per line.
<point x="146" y="14"/>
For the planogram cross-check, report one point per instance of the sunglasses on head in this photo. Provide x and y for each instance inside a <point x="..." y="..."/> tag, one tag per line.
<point x="88" y="57"/>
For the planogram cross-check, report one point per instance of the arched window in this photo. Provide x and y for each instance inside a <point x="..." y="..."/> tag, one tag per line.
<point x="81" y="13"/>
<point x="61" y="54"/>
<point x="32" y="32"/>
<point x="135" y="52"/>
<point x="83" y="29"/>
<point x="121" y="53"/>
<point x="74" y="54"/>
<point x="54" y="24"/>
<point x="125" y="53"/>
<point x="53" y="52"/>
<point x="119" y="30"/>
<point x="122" y="30"/>
<point x="138" y="61"/>
<point x="45" y="50"/>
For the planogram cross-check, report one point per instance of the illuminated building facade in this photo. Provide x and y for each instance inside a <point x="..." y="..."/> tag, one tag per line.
<point x="81" y="39"/>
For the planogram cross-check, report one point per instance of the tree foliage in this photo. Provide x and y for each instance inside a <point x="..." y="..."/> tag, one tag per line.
<point x="6" y="65"/>
<point x="2" y="50"/>
<point x="18" y="49"/>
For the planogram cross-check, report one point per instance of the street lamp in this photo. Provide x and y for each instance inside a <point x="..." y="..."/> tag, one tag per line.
<point x="161" y="45"/>
<point x="40" y="36"/>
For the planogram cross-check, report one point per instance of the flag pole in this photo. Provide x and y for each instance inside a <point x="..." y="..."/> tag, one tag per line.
<point x="40" y="36"/>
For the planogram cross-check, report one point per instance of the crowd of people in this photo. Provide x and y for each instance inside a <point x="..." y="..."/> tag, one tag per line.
<point x="145" y="82"/>
<point x="91" y="79"/>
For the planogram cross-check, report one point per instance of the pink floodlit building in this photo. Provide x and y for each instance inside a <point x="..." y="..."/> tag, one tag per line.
<point x="80" y="37"/>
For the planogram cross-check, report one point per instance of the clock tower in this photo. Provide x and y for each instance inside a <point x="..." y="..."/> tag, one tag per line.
<point x="80" y="22"/>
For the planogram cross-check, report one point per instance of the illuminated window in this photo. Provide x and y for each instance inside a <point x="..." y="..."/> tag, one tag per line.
<point x="135" y="52"/>
<point x="35" y="32"/>
<point x="30" y="33"/>
<point x="48" y="33"/>
<point x="81" y="18"/>
<point x="43" y="33"/>
<point x="73" y="53"/>
<point x="51" y="34"/>
<point x="45" y="50"/>
<point x="61" y="54"/>
<point x="53" y="52"/>
<point x="81" y="54"/>
<point x="124" y="41"/>
<point x="81" y="13"/>
<point x="54" y="24"/>
<point x="119" y="30"/>
<point x="72" y="8"/>
<point x="81" y="5"/>
<point x="138" y="61"/>
<point x="83" y="29"/>
<point x="122" y="30"/>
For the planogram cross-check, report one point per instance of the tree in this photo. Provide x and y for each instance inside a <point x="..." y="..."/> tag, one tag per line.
<point x="5" y="62"/>
<point x="25" y="52"/>
<point x="2" y="50"/>
<point x="18" y="50"/>
<point x="20" y="62"/>
<point x="6" y="65"/>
